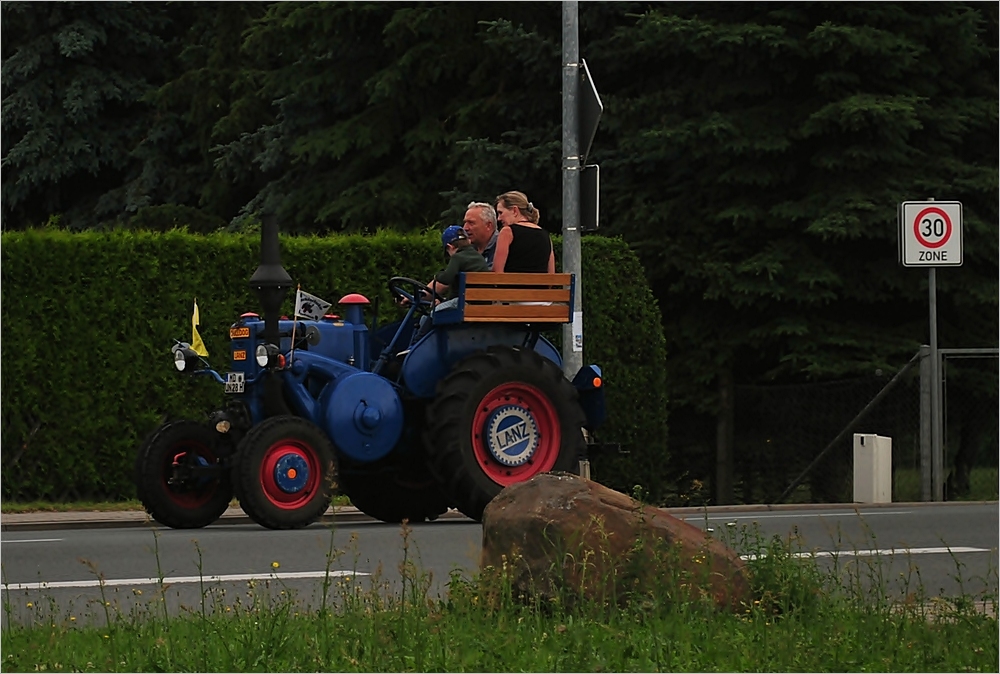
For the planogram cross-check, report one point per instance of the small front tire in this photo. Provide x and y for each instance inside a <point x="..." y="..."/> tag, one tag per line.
<point x="286" y="473"/>
<point x="179" y="475"/>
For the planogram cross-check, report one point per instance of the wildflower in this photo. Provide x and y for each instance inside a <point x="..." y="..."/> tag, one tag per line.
<point x="136" y="591"/>
<point x="72" y="618"/>
<point x="275" y="565"/>
<point x="106" y="636"/>
<point x="30" y="605"/>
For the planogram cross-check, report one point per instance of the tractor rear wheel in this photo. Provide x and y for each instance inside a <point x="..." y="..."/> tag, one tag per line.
<point x="501" y="417"/>
<point x="179" y="477"/>
<point x="285" y="473"/>
<point x="404" y="493"/>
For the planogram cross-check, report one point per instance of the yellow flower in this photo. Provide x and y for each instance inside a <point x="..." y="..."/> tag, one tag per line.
<point x="72" y="618"/>
<point x="275" y="565"/>
<point x="29" y="605"/>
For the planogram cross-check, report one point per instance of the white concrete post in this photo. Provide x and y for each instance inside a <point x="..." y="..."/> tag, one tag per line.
<point x="872" y="468"/>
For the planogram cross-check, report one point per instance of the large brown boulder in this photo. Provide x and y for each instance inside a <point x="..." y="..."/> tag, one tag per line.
<point x="559" y="535"/>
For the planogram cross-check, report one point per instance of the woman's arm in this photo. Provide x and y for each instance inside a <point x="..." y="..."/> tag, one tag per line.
<point x="552" y="262"/>
<point x="504" y="237"/>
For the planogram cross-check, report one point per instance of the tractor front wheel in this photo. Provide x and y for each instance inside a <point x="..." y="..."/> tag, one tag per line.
<point x="179" y="475"/>
<point x="285" y="473"/>
<point x="501" y="417"/>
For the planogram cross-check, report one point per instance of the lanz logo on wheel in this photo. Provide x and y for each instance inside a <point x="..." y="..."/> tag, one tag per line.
<point x="512" y="435"/>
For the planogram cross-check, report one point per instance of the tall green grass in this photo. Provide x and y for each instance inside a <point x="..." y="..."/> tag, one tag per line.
<point x="803" y="616"/>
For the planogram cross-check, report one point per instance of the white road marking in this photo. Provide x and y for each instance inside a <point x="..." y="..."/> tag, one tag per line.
<point x="850" y="513"/>
<point x="876" y="553"/>
<point x="175" y="580"/>
<point x="34" y="540"/>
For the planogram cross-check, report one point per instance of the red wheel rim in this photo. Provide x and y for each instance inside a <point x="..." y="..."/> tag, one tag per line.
<point x="281" y="476"/>
<point x="540" y="434"/>
<point x="190" y="494"/>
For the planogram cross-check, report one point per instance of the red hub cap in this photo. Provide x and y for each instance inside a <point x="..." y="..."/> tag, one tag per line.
<point x="515" y="433"/>
<point x="290" y="474"/>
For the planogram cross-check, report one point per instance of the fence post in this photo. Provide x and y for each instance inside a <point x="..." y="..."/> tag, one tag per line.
<point x="926" y="480"/>
<point x="724" y="436"/>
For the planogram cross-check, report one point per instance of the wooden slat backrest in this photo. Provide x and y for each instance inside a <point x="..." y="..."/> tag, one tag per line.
<point x="517" y="298"/>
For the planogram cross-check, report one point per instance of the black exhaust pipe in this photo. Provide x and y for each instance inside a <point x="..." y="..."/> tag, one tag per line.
<point x="271" y="282"/>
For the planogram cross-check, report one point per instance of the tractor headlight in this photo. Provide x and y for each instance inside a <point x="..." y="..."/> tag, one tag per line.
<point x="268" y="355"/>
<point x="185" y="359"/>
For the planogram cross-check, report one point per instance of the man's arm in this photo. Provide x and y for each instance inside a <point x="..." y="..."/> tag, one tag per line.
<point x="444" y="278"/>
<point x="438" y="287"/>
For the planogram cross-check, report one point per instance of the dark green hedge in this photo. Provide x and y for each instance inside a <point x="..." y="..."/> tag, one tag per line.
<point x="88" y="320"/>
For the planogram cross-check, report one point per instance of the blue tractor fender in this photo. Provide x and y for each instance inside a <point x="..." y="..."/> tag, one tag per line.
<point x="360" y="412"/>
<point x="434" y="356"/>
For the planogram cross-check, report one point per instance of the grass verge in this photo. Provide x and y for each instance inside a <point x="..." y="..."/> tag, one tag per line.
<point x="804" y="617"/>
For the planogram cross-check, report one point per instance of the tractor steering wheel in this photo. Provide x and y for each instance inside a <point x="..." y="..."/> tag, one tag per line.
<point x="416" y="295"/>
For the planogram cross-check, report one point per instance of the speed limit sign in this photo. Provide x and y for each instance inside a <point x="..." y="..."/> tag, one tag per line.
<point x="930" y="234"/>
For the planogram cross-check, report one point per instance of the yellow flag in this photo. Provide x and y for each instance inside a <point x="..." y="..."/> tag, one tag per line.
<point x="197" y="345"/>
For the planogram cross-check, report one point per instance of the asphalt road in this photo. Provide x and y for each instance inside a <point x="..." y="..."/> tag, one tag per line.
<point x="948" y="549"/>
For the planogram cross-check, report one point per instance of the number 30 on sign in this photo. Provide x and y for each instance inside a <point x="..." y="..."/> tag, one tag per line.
<point x="930" y="234"/>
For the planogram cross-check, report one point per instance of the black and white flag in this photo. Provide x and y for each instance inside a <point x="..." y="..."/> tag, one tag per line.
<point x="310" y="306"/>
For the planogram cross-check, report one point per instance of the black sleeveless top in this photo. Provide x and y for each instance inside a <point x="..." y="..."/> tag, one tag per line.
<point x="529" y="250"/>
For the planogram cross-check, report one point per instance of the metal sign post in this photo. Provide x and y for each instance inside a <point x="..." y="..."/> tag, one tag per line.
<point x="581" y="112"/>
<point x="930" y="235"/>
<point x="572" y="332"/>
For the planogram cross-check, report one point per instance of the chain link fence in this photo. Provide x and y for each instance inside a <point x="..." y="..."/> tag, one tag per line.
<point x="971" y="400"/>
<point x="780" y="430"/>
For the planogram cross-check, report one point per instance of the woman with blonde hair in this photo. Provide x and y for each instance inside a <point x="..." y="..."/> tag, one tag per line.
<point x="522" y="245"/>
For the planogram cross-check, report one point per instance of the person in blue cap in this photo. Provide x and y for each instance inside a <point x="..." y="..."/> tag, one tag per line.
<point x="462" y="257"/>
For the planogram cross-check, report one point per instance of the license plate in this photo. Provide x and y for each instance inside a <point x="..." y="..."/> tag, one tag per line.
<point x="235" y="382"/>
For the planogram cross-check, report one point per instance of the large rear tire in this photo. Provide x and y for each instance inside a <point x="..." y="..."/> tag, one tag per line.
<point x="179" y="477"/>
<point x="501" y="417"/>
<point x="286" y="473"/>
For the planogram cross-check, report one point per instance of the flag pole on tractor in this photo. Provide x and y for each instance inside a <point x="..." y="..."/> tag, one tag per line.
<point x="307" y="306"/>
<point x="197" y="345"/>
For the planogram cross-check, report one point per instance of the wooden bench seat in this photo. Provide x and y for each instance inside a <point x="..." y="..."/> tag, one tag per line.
<point x="486" y="297"/>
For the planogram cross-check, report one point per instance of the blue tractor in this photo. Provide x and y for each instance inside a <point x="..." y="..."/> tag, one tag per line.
<point x="406" y="424"/>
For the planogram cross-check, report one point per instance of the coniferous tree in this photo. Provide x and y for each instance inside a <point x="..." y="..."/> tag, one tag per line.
<point x="202" y="78"/>
<point x="392" y="114"/>
<point x="74" y="75"/>
<point x="759" y="153"/>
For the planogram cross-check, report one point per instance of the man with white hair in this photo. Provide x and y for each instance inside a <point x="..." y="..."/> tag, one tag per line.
<point x="480" y="226"/>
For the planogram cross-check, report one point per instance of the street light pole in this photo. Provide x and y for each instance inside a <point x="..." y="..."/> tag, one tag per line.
<point x="572" y="333"/>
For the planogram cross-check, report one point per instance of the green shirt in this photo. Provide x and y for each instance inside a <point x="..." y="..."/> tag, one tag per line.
<point x="466" y="259"/>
